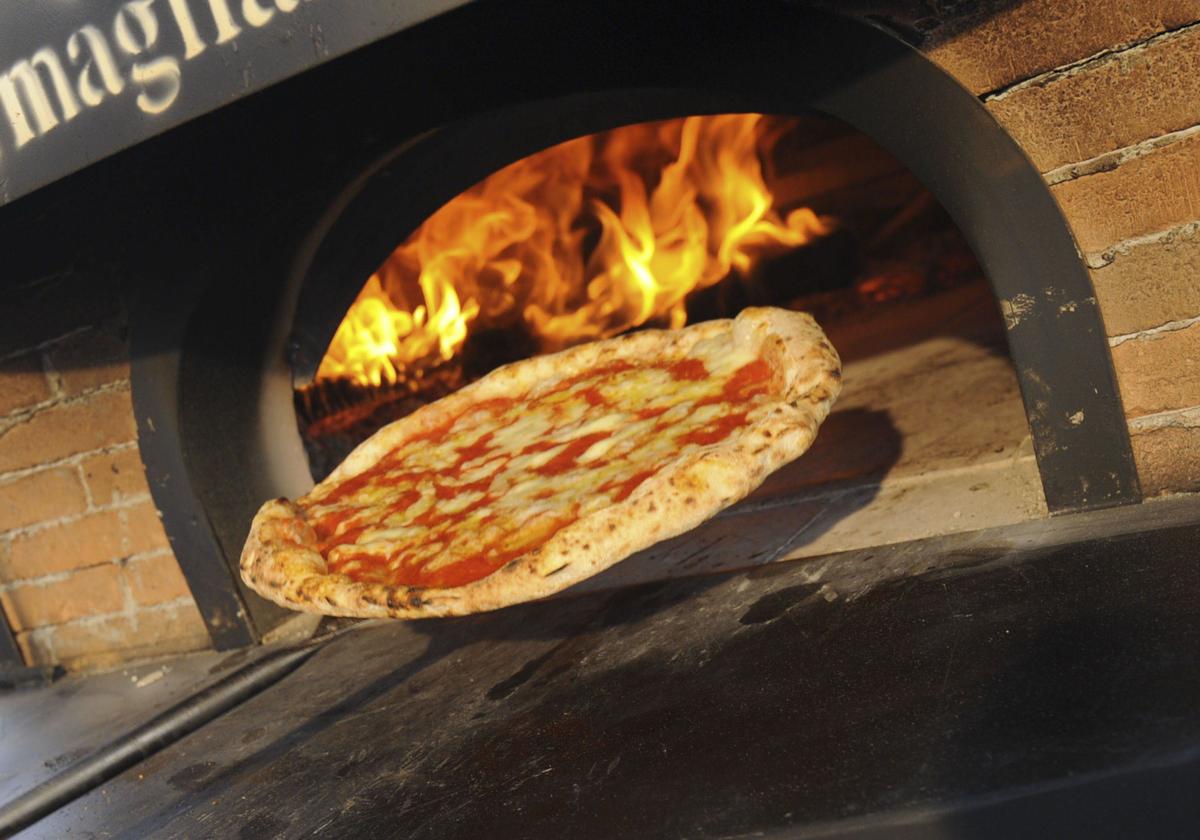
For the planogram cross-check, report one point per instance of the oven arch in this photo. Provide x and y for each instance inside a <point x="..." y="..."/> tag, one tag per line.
<point x="775" y="58"/>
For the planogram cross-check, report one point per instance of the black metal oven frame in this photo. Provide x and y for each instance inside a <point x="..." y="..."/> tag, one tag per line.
<point x="216" y="354"/>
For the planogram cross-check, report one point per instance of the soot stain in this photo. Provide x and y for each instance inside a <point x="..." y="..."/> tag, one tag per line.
<point x="194" y="777"/>
<point x="507" y="686"/>
<point x="773" y="605"/>
<point x="252" y="735"/>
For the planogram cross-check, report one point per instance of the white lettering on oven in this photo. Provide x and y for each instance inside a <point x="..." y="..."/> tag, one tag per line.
<point x="36" y="93"/>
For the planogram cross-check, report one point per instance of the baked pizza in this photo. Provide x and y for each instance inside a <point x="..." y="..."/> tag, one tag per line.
<point x="549" y="470"/>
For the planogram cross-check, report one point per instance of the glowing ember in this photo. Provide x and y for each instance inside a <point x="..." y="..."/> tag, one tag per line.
<point x="581" y="241"/>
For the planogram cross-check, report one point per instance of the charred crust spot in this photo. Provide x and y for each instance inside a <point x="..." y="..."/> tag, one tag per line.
<point x="835" y="375"/>
<point x="415" y="600"/>
<point x="759" y="451"/>
<point x="586" y="546"/>
<point x="652" y="507"/>
<point x="612" y="526"/>
<point x="689" y="500"/>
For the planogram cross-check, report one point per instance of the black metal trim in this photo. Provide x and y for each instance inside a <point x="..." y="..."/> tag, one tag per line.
<point x="155" y="350"/>
<point x="10" y="654"/>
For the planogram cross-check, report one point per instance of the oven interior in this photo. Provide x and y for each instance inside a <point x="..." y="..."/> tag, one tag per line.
<point x="672" y="222"/>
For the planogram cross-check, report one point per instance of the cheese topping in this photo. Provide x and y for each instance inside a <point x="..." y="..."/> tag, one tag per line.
<point x="456" y="504"/>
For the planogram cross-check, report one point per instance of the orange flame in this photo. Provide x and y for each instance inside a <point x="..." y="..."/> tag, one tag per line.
<point x="581" y="241"/>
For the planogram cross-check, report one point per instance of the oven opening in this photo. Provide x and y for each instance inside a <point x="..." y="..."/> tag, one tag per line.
<point x="672" y="222"/>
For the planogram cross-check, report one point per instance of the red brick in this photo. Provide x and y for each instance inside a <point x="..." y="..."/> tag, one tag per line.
<point x="114" y="476"/>
<point x="144" y="529"/>
<point x="1159" y="372"/>
<point x="88" y="541"/>
<point x="23" y="383"/>
<point x="40" y="496"/>
<point x="115" y="639"/>
<point x="1168" y="459"/>
<point x="153" y="580"/>
<point x="1150" y="284"/>
<point x="1031" y="37"/>
<point x="90" y="359"/>
<point x="103" y="419"/>
<point x="1145" y="195"/>
<point x="178" y="627"/>
<point x="1114" y="102"/>
<point x="87" y="592"/>
<point x="89" y="645"/>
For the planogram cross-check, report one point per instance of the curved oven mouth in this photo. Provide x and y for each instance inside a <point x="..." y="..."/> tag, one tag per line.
<point x="218" y="425"/>
<point x="667" y="223"/>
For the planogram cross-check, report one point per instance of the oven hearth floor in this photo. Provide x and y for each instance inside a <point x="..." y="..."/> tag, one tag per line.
<point x="983" y="684"/>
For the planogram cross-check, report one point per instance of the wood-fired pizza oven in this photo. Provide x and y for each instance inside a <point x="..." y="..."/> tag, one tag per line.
<point x="989" y="402"/>
<point x="194" y="282"/>
<point x="990" y="206"/>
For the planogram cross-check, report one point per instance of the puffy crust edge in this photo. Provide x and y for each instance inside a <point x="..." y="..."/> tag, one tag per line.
<point x="280" y="560"/>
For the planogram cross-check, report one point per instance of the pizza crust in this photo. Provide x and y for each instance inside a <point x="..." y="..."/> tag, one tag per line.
<point x="281" y="562"/>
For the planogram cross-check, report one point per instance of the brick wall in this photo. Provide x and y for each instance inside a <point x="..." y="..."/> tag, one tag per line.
<point x="86" y="575"/>
<point x="1105" y="99"/>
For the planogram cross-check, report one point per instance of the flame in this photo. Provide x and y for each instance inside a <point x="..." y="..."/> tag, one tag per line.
<point x="581" y="241"/>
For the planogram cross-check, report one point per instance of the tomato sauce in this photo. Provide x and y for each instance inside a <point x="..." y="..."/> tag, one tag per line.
<point x="716" y="431"/>
<point x="568" y="458"/>
<point x="626" y="487"/>
<point x="337" y="529"/>
<point x="688" y="370"/>
<point x="593" y="396"/>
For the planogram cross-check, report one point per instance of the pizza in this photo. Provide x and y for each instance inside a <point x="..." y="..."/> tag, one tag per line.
<point x="549" y="470"/>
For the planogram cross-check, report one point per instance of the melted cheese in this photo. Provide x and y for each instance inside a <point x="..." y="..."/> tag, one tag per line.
<point x="507" y="475"/>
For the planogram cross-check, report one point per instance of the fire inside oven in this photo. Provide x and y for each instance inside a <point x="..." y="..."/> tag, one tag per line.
<point x="667" y="223"/>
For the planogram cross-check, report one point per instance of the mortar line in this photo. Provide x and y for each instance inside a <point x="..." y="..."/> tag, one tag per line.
<point x="66" y="461"/>
<point x="1105" y="258"/>
<point x="1176" y="418"/>
<point x="1108" y="161"/>
<point x="25" y="415"/>
<point x="58" y="577"/>
<point x="1170" y="326"/>
<point x="122" y="504"/>
<point x="1080" y="65"/>
<point x="101" y="618"/>
<point x="47" y="343"/>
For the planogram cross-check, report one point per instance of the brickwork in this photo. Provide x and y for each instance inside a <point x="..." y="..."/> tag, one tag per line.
<point x="1105" y="99"/>
<point x="87" y="577"/>
<point x="1033" y="37"/>
<point x="1109" y="103"/>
